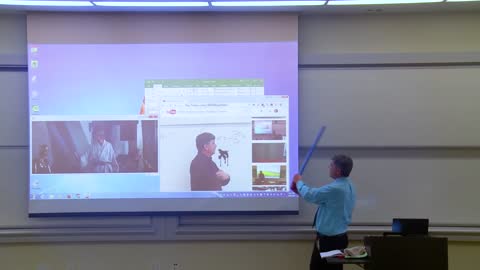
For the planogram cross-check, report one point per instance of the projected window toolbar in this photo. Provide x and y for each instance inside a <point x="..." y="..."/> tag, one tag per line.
<point x="157" y="90"/>
<point x="245" y="106"/>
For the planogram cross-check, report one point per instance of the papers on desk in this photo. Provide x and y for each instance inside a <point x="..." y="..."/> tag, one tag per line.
<point x="348" y="253"/>
<point x="331" y="253"/>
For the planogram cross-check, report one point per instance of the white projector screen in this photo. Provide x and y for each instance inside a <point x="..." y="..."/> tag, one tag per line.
<point x="143" y="113"/>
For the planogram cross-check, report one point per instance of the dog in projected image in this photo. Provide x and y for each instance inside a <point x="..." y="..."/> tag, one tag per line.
<point x="223" y="154"/>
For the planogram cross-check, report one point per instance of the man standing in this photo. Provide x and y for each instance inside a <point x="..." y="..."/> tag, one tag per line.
<point x="204" y="173"/>
<point x="100" y="157"/>
<point x="336" y="202"/>
<point x="42" y="164"/>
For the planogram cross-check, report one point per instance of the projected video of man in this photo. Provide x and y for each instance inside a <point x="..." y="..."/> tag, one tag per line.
<point x="204" y="173"/>
<point x="41" y="164"/>
<point x="100" y="156"/>
<point x="124" y="146"/>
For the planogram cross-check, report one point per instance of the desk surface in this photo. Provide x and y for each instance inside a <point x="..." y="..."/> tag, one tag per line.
<point x="336" y="260"/>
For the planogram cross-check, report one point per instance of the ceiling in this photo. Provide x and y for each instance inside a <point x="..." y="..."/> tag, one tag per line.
<point x="358" y="9"/>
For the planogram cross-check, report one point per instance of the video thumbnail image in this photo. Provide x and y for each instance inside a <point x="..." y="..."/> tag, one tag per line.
<point x="269" y="129"/>
<point x="126" y="146"/>
<point x="269" y="152"/>
<point x="269" y="174"/>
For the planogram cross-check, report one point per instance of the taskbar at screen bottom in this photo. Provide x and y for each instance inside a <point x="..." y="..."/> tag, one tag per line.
<point x="147" y="206"/>
<point x="162" y="195"/>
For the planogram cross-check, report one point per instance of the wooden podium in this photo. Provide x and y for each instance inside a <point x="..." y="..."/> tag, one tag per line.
<point x="406" y="253"/>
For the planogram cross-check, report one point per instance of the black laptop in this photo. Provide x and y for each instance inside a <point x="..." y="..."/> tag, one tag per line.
<point x="410" y="226"/>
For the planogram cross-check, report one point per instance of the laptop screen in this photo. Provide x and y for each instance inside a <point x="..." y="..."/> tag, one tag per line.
<point x="410" y="226"/>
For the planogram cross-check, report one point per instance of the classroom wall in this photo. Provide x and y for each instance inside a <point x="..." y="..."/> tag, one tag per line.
<point x="331" y="38"/>
<point x="204" y="255"/>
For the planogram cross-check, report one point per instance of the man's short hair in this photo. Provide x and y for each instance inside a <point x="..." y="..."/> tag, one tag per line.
<point x="203" y="139"/>
<point x="344" y="163"/>
<point x="99" y="131"/>
<point x="43" y="148"/>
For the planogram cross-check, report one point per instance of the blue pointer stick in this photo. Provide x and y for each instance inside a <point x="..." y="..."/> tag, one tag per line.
<point x="312" y="148"/>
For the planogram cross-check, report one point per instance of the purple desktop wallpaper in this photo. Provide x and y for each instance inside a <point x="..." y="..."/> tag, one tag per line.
<point x="108" y="79"/>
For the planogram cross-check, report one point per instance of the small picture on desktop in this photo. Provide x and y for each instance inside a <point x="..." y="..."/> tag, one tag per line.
<point x="269" y="129"/>
<point x="110" y="146"/>
<point x="269" y="152"/>
<point x="262" y="127"/>
<point x="269" y="174"/>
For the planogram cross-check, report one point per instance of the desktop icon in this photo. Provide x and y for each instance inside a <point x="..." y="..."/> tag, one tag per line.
<point x="34" y="63"/>
<point x="34" y="94"/>
<point x="35" y="184"/>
